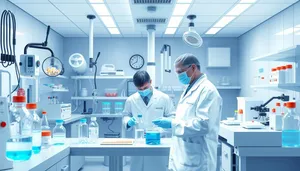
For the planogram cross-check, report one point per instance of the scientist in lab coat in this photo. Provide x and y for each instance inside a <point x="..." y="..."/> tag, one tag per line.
<point x="152" y="104"/>
<point x="196" y="124"/>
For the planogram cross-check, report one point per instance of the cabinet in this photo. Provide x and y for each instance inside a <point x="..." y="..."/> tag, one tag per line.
<point x="62" y="165"/>
<point x="227" y="157"/>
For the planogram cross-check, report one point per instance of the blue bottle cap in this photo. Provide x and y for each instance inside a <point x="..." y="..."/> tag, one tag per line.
<point x="140" y="115"/>
<point x="59" y="121"/>
<point x="83" y="120"/>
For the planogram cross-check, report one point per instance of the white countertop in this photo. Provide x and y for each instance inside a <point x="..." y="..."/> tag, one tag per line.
<point x="73" y="118"/>
<point x="238" y="136"/>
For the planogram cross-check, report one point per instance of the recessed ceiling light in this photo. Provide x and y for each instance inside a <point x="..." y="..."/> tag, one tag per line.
<point x="238" y="9"/>
<point x="224" y="21"/>
<point x="101" y="9"/>
<point x="174" y="21"/>
<point x="113" y="30"/>
<point x="96" y="1"/>
<point x="108" y="21"/>
<point x="180" y="9"/>
<point x="184" y="1"/>
<point x="247" y="1"/>
<point x="170" y="30"/>
<point x="213" y="30"/>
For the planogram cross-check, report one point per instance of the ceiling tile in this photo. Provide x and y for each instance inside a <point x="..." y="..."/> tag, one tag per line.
<point x="277" y="1"/>
<point x="265" y="9"/>
<point x="29" y="1"/>
<point x="87" y="24"/>
<point x="203" y="19"/>
<point x="235" y="31"/>
<point x="68" y="1"/>
<point x="75" y="9"/>
<point x="60" y="24"/>
<point x="120" y="9"/>
<point x="97" y="30"/>
<point x="200" y="30"/>
<point x="52" y="18"/>
<point x="128" y="30"/>
<point x="119" y="18"/>
<point x="117" y="1"/>
<point x="125" y="24"/>
<point x="215" y="1"/>
<point x="248" y="21"/>
<point x="209" y="9"/>
<point x="67" y="30"/>
<point x="40" y="9"/>
<point x="75" y="35"/>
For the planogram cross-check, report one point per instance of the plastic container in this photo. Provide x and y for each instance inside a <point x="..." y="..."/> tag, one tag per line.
<point x="83" y="132"/>
<point x="111" y="92"/>
<point x="290" y="73"/>
<point x="240" y="115"/>
<point x="119" y="107"/>
<point x="290" y="127"/>
<point x="273" y="76"/>
<point x="59" y="133"/>
<point x="19" y="146"/>
<point x="140" y="129"/>
<point x="93" y="130"/>
<point x="84" y="92"/>
<point x="46" y="132"/>
<point x="36" y="128"/>
<point x="153" y="136"/>
<point x="275" y="119"/>
<point x="281" y="75"/>
<point x="106" y="107"/>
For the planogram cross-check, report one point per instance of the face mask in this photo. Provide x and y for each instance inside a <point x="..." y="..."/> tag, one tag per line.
<point x="145" y="92"/>
<point x="184" y="78"/>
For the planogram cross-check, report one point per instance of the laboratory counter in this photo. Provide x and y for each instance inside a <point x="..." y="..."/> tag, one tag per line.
<point x="255" y="149"/>
<point x="73" y="118"/>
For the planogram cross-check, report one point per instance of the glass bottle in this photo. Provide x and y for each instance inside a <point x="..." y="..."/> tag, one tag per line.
<point x="290" y="127"/>
<point x="83" y="131"/>
<point x="93" y="130"/>
<point x="36" y="128"/>
<point x="59" y="133"/>
<point x="19" y="146"/>
<point x="140" y="129"/>
<point x="46" y="132"/>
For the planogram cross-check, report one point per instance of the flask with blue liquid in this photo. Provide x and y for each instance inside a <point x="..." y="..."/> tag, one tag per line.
<point x="290" y="127"/>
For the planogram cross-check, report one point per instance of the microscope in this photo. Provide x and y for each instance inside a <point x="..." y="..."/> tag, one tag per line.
<point x="263" y="109"/>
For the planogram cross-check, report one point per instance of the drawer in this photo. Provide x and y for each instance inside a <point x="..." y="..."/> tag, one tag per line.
<point x="227" y="152"/>
<point x="63" y="165"/>
<point x="53" y="168"/>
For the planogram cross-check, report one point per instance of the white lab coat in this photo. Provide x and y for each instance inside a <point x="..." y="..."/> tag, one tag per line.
<point x="195" y="128"/>
<point x="159" y="105"/>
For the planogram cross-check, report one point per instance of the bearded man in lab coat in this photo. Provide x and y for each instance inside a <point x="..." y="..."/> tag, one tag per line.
<point x="152" y="104"/>
<point x="196" y="124"/>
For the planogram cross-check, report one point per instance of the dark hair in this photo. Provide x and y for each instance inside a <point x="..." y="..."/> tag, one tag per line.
<point x="140" y="78"/>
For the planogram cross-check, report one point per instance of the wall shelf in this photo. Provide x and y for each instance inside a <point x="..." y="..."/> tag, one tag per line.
<point x="60" y="76"/>
<point x="98" y="98"/>
<point x="287" y="55"/>
<point x="290" y="86"/>
<point x="228" y="87"/>
<point x="83" y="77"/>
<point x="99" y="115"/>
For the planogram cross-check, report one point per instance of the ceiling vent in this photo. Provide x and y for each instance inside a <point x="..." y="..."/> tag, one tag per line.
<point x="151" y="20"/>
<point x="152" y="1"/>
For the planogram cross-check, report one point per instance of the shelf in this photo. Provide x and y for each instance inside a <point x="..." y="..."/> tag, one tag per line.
<point x="60" y="76"/>
<point x="100" y="77"/>
<point x="99" y="115"/>
<point x="99" y="98"/>
<point x="290" y="86"/>
<point x="287" y="55"/>
<point x="228" y="87"/>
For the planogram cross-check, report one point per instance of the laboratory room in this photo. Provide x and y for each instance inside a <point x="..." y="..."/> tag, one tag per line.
<point x="149" y="85"/>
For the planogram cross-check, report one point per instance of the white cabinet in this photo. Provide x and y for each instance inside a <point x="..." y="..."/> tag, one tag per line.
<point x="227" y="159"/>
<point x="218" y="57"/>
<point x="62" y="165"/>
<point x="53" y="168"/>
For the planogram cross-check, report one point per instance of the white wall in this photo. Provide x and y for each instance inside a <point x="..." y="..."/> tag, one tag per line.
<point x="32" y="31"/>
<point x="263" y="40"/>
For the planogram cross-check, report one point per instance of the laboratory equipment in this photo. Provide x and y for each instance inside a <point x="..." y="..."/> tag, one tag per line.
<point x="139" y="129"/>
<point x="78" y="63"/>
<point x="119" y="107"/>
<point x="120" y="72"/>
<point x="83" y="131"/>
<point x="275" y="119"/>
<point x="108" y="69"/>
<point x="290" y="127"/>
<point x="84" y="92"/>
<point x="29" y="65"/>
<point x="5" y="134"/>
<point x="106" y="107"/>
<point x="46" y="132"/>
<point x="290" y="73"/>
<point x="153" y="136"/>
<point x="93" y="130"/>
<point x="36" y="128"/>
<point x="224" y="81"/>
<point x="52" y="66"/>
<point x="231" y="122"/>
<point x="252" y="125"/>
<point x="240" y="115"/>
<point x="111" y="92"/>
<point x="19" y="146"/>
<point x="57" y="111"/>
<point x="262" y="109"/>
<point x="281" y="70"/>
<point x="245" y="103"/>
<point x="191" y="37"/>
<point x="273" y="76"/>
<point x="59" y="133"/>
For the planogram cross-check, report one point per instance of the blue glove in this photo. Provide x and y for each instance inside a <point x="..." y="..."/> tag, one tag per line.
<point x="163" y="122"/>
<point x="132" y="121"/>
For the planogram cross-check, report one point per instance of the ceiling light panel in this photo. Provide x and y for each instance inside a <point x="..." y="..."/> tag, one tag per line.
<point x="114" y="30"/>
<point x="184" y="1"/>
<point x="175" y="21"/>
<point x="247" y="1"/>
<point x="213" y="30"/>
<point x="96" y="1"/>
<point x="108" y="21"/>
<point x="180" y="9"/>
<point x="170" y="30"/>
<point x="224" y="21"/>
<point x="101" y="9"/>
<point x="238" y="9"/>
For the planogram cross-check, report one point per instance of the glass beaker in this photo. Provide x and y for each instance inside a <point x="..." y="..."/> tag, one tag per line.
<point x="118" y="107"/>
<point x="153" y="136"/>
<point x="106" y="107"/>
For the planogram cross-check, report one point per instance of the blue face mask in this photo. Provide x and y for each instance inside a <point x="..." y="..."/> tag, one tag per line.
<point x="184" y="78"/>
<point x="145" y="92"/>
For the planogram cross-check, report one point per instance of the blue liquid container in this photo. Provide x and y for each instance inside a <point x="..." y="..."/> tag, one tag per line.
<point x="153" y="137"/>
<point x="19" y="149"/>
<point x="290" y="138"/>
<point x="290" y="127"/>
<point x="59" y="133"/>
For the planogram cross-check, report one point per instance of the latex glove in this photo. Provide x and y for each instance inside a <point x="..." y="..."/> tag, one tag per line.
<point x="132" y="121"/>
<point x="163" y="122"/>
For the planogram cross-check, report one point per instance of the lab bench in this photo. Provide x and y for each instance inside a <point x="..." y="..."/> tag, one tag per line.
<point x="255" y="149"/>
